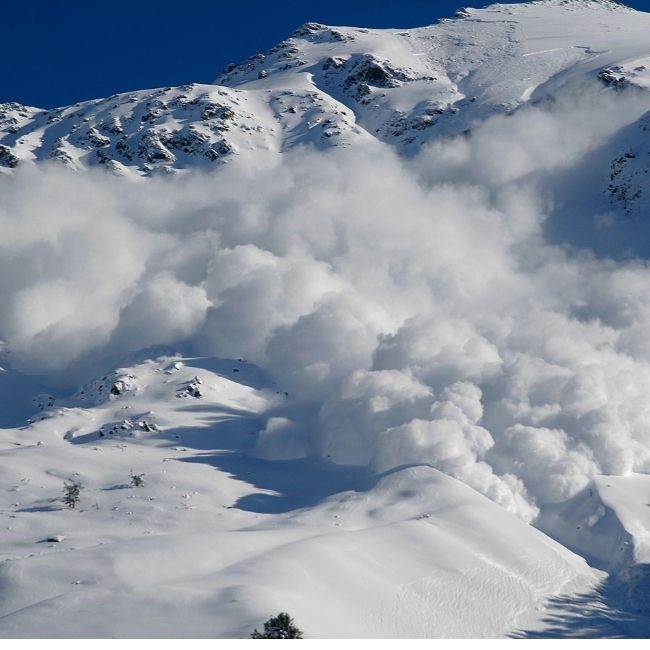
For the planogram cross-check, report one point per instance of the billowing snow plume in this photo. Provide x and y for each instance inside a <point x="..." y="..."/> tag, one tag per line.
<point x="414" y="310"/>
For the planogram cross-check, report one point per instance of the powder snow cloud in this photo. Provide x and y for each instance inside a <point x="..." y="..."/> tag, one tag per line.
<point x="415" y="310"/>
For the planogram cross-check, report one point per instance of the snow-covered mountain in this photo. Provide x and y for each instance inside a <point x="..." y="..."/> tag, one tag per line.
<point x="328" y="86"/>
<point x="339" y="86"/>
<point x="409" y="290"/>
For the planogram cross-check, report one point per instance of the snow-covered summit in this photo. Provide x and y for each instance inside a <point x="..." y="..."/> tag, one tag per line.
<point x="335" y="86"/>
<point x="409" y="86"/>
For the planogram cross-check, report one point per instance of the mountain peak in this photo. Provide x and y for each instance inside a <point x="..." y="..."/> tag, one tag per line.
<point x="328" y="86"/>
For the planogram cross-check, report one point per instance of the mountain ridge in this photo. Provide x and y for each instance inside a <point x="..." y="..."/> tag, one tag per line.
<point x="327" y="86"/>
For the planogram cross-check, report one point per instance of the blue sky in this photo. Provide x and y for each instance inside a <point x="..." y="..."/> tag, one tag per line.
<point x="57" y="52"/>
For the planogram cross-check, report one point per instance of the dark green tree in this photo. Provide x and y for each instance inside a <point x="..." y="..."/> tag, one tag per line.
<point x="278" y="627"/>
<point x="72" y="493"/>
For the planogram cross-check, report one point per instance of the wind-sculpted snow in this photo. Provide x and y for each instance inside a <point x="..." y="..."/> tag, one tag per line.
<point x="414" y="311"/>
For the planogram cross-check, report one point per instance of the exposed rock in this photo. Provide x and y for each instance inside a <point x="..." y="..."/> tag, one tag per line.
<point x="152" y="149"/>
<point x="614" y="77"/>
<point x="7" y="158"/>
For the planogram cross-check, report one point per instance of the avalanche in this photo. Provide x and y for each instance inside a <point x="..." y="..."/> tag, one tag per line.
<point x="368" y="317"/>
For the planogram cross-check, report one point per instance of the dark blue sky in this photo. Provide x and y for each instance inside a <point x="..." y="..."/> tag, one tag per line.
<point x="57" y="52"/>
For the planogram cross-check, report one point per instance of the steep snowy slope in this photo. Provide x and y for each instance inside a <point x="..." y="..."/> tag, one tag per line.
<point x="214" y="540"/>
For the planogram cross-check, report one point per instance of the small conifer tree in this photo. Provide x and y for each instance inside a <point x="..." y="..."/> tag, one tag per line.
<point x="72" y="493"/>
<point x="278" y="627"/>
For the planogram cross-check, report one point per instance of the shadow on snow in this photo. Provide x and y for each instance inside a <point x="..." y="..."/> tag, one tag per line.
<point x="285" y="485"/>
<point x="613" y="610"/>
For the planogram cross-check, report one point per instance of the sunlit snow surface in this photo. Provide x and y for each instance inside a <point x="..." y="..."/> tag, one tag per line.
<point x="215" y="539"/>
<point x="407" y="271"/>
